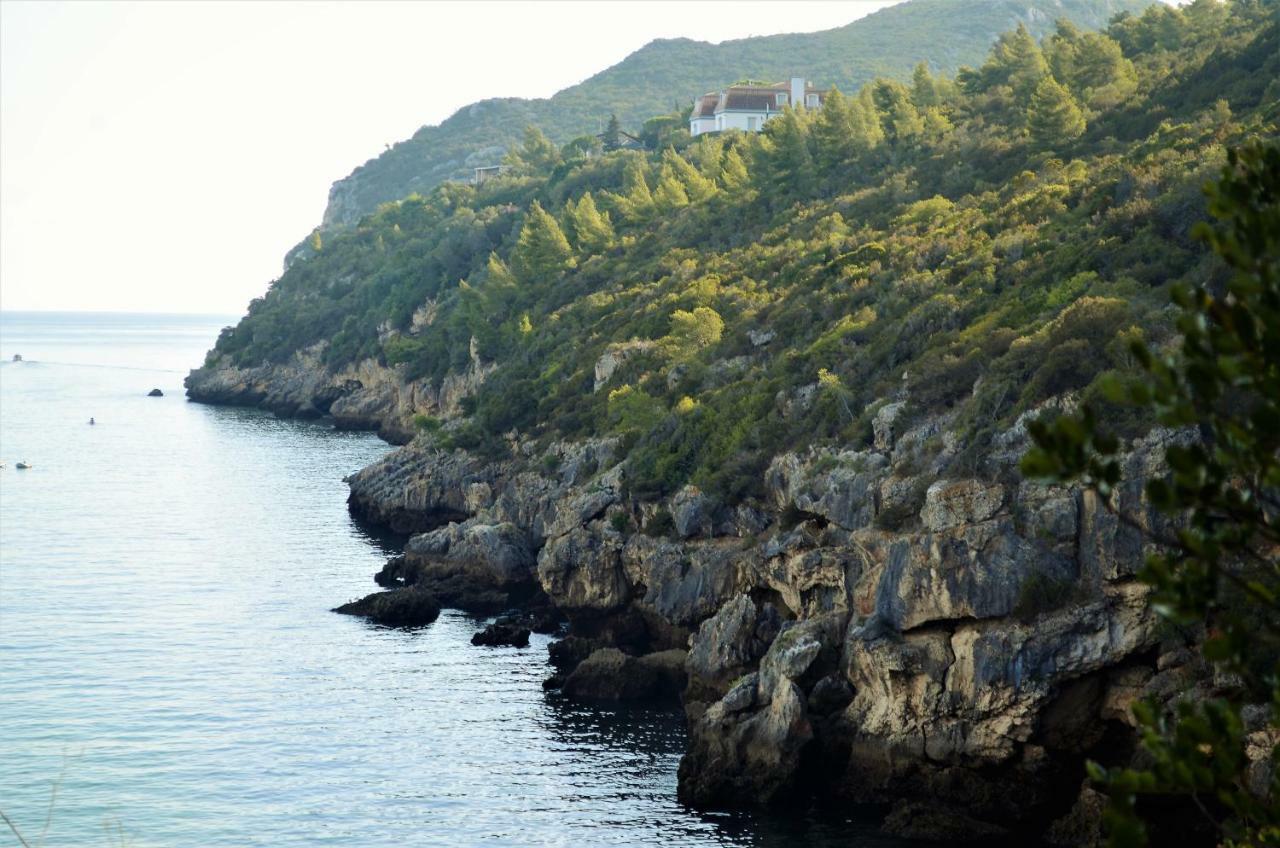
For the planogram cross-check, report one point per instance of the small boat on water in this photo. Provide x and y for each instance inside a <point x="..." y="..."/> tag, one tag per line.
<point x="23" y="465"/>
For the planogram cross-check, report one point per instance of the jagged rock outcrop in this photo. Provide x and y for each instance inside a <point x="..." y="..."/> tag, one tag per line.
<point x="873" y="628"/>
<point x="747" y="748"/>
<point x="365" y="395"/>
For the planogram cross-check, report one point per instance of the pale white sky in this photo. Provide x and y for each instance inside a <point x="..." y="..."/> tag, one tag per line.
<point x="163" y="156"/>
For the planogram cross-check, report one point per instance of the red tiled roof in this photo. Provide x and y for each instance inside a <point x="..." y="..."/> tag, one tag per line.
<point x="750" y="100"/>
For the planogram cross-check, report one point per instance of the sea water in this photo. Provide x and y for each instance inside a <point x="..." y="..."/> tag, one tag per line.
<point x="171" y="673"/>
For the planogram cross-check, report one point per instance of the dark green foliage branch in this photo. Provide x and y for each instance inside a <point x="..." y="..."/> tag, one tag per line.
<point x="1221" y="571"/>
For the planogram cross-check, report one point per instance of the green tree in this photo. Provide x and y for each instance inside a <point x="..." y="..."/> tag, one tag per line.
<point x="542" y="250"/>
<point x="868" y="132"/>
<point x="696" y="186"/>
<point x="900" y="119"/>
<point x="789" y="169"/>
<point x="733" y="173"/>
<point x="589" y="228"/>
<point x="1091" y="65"/>
<point x="1015" y="65"/>
<point x="923" y="91"/>
<point x="1054" y="119"/>
<point x="1219" y="572"/>
<point x="693" y="331"/>
<point x="834" y="132"/>
<point x="669" y="193"/>
<point x="635" y="203"/>
<point x="537" y="154"/>
<point x="1103" y="77"/>
<point x="612" y="136"/>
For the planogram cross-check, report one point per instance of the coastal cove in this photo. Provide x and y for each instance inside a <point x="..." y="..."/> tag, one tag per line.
<point x="169" y="661"/>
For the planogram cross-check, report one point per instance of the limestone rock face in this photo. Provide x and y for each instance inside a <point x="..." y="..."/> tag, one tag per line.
<point x="417" y="488"/>
<point x="582" y="571"/>
<point x="691" y="511"/>
<point x="746" y="749"/>
<point x="970" y="571"/>
<point x="363" y="396"/>
<point x="839" y="487"/>
<point x="980" y="694"/>
<point x="872" y="624"/>
<point x="953" y="503"/>
<point x="615" y="356"/>
<point x="499" y="552"/>
<point x="731" y="643"/>
<point x="882" y="425"/>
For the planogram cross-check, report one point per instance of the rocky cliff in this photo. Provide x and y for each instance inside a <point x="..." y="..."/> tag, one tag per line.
<point x="952" y="648"/>
<point x="365" y="395"/>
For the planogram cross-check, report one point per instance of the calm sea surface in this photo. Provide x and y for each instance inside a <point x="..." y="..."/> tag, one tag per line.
<point x="170" y="673"/>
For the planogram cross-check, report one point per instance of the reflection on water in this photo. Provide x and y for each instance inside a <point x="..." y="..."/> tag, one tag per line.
<point x="166" y="578"/>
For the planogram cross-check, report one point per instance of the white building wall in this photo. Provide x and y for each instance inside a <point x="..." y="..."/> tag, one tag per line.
<point x="797" y="92"/>
<point x="738" y="120"/>
<point x="697" y="126"/>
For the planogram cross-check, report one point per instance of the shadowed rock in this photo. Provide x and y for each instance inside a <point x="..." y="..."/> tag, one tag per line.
<point x="408" y="607"/>
<point x="504" y="631"/>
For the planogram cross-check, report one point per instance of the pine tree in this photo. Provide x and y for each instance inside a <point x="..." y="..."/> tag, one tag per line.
<point x="733" y="173"/>
<point x="612" y="136"/>
<point x="669" y="194"/>
<point x="696" y="186"/>
<point x="636" y="201"/>
<point x="590" y="229"/>
<point x="900" y="119"/>
<point x="537" y="154"/>
<point x="1054" y="118"/>
<point x="833" y="132"/>
<point x="1015" y="61"/>
<point x="1103" y="77"/>
<point x="501" y="291"/>
<point x="542" y="250"/>
<point x="923" y="91"/>
<point x="789" y="168"/>
<point x="867" y="129"/>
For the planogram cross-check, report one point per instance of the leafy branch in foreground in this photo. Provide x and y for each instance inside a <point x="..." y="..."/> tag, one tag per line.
<point x="1220" y="572"/>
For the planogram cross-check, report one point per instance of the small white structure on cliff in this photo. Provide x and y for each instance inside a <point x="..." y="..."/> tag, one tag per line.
<point x="750" y="107"/>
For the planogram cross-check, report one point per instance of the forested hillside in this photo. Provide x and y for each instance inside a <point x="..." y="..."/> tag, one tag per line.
<point x="667" y="74"/>
<point x="972" y="245"/>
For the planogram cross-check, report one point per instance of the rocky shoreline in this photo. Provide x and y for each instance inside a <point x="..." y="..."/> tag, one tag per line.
<point x="872" y="631"/>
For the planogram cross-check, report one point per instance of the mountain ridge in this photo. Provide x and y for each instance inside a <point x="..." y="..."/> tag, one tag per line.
<point x="682" y="68"/>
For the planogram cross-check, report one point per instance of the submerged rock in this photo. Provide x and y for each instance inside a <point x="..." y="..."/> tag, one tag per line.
<point x="610" y="675"/>
<point x="408" y="607"/>
<point x="504" y="631"/>
<point x="155" y="393"/>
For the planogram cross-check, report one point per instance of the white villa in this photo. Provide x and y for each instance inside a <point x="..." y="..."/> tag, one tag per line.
<point x="749" y="107"/>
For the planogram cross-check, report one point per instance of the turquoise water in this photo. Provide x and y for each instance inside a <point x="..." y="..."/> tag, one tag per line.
<point x="170" y="673"/>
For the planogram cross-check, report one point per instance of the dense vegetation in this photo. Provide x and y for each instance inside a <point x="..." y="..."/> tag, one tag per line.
<point x="1219" y="574"/>
<point x="670" y="73"/>
<point x="975" y="245"/>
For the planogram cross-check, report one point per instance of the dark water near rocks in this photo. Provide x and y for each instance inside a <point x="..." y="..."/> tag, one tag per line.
<point x="170" y="673"/>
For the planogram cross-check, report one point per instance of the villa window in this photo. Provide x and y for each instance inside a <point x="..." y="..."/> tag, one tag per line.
<point x="752" y="123"/>
<point x="780" y="99"/>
